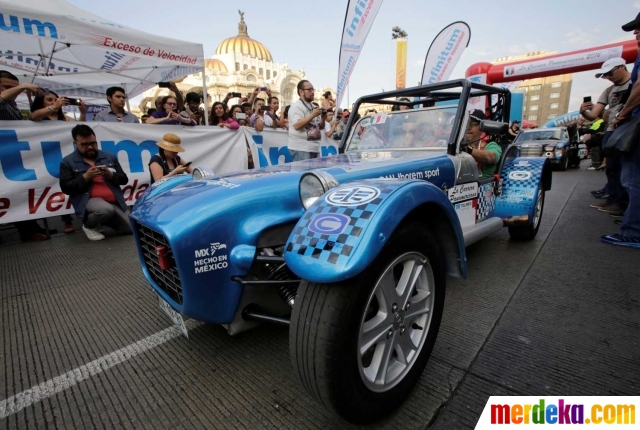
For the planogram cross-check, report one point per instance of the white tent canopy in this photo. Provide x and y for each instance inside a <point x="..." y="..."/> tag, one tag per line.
<point x="75" y="53"/>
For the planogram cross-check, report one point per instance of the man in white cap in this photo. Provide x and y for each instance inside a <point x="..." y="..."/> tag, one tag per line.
<point x="629" y="235"/>
<point x="615" y="70"/>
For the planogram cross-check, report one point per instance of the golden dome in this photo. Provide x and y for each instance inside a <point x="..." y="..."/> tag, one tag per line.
<point x="243" y="44"/>
<point x="215" y="65"/>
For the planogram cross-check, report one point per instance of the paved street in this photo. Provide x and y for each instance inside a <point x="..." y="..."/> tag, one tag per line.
<point x="84" y="344"/>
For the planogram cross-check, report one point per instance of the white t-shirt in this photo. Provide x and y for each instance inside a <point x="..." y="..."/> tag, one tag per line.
<point x="298" y="138"/>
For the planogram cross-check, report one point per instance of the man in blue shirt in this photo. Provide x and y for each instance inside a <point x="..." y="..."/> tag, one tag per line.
<point x="630" y="227"/>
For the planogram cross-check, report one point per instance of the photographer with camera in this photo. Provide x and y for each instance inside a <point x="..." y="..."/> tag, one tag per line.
<point x="116" y="113"/>
<point x="258" y="118"/>
<point x="306" y="124"/>
<point x="49" y="107"/>
<point x="169" y="114"/>
<point x="193" y="110"/>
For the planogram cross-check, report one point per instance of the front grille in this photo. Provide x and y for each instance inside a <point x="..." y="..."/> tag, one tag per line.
<point x="531" y="151"/>
<point x="167" y="280"/>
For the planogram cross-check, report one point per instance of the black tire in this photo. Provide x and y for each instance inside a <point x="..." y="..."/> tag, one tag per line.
<point x="564" y="163"/>
<point x="326" y="323"/>
<point x="529" y="231"/>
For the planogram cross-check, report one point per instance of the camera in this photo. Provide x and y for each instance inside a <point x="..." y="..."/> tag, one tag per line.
<point x="324" y="111"/>
<point x="263" y="88"/>
<point x="73" y="102"/>
<point x="236" y="95"/>
<point x="265" y="108"/>
<point x="164" y="84"/>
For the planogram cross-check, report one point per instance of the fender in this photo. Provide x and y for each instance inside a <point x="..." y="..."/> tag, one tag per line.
<point x="162" y="185"/>
<point x="521" y="179"/>
<point x="345" y="229"/>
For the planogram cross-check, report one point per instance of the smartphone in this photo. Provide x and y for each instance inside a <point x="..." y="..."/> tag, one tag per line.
<point x="164" y="84"/>
<point x="265" y="108"/>
<point x="263" y="88"/>
<point x="236" y="95"/>
<point x="241" y="116"/>
<point x="102" y="167"/>
<point x="188" y="164"/>
<point x="73" y="102"/>
<point x="587" y="99"/>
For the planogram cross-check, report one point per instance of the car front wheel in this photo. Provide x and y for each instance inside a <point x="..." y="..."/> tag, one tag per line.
<point x="359" y="346"/>
<point x="530" y="231"/>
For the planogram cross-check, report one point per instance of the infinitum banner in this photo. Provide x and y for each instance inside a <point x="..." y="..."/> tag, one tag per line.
<point x="357" y="23"/>
<point x="445" y="51"/>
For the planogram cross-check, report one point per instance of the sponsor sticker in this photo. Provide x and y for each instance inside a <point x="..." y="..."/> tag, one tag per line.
<point x="353" y="196"/>
<point x="519" y="175"/>
<point x="211" y="258"/>
<point x="329" y="223"/>
<point x="463" y="192"/>
<point x="522" y="163"/>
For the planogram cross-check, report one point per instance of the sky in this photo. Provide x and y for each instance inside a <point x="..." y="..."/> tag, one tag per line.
<point x="306" y="34"/>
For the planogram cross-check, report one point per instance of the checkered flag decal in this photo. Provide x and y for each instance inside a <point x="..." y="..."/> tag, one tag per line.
<point x="337" y="248"/>
<point x="486" y="201"/>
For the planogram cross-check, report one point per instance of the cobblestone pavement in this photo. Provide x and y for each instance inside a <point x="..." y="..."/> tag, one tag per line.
<point x="84" y="344"/>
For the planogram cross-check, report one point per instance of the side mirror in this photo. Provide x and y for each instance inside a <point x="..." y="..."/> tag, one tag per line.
<point x="494" y="127"/>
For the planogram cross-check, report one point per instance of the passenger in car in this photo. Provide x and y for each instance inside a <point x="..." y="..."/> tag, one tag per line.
<point x="487" y="154"/>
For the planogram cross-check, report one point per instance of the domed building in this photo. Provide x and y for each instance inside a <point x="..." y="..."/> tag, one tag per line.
<point x="240" y="64"/>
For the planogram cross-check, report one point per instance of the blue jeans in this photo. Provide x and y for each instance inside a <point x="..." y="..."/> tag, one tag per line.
<point x="616" y="192"/>
<point x="630" y="177"/>
<point x="302" y="155"/>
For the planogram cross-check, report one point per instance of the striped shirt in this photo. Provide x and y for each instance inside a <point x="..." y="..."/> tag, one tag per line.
<point x="9" y="111"/>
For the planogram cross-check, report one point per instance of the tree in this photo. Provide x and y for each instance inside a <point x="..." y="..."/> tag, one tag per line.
<point x="398" y="33"/>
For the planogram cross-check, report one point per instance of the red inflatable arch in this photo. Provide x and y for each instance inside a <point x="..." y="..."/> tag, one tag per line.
<point x="570" y="62"/>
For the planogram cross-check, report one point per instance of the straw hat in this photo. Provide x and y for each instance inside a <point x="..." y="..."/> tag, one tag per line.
<point x="170" y="142"/>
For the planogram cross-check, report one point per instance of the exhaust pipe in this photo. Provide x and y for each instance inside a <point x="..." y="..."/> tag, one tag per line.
<point x="515" y="221"/>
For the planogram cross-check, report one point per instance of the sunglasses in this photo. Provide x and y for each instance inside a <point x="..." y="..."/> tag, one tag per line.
<point x="86" y="144"/>
<point x="609" y="73"/>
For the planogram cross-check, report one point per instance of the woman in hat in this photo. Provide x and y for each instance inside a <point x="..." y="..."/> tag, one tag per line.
<point x="167" y="162"/>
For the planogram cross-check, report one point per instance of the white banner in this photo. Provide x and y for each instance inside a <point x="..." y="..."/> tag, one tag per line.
<point x="76" y="53"/>
<point x="445" y="51"/>
<point x="30" y="155"/>
<point x="270" y="147"/>
<point x="560" y="62"/>
<point x="357" y="23"/>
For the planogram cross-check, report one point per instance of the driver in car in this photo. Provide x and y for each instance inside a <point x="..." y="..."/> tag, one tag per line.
<point x="486" y="154"/>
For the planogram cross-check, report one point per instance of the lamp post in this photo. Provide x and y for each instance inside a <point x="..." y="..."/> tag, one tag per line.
<point x="401" y="56"/>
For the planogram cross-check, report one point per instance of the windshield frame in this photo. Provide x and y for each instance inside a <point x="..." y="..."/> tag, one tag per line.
<point x="451" y="108"/>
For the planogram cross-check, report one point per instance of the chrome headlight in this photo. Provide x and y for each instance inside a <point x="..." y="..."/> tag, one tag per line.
<point x="559" y="152"/>
<point x="202" y="172"/>
<point x="313" y="185"/>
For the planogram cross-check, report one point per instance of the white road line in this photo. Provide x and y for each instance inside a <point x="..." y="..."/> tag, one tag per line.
<point x="55" y="385"/>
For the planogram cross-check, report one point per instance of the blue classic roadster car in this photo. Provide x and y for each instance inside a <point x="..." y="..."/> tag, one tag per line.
<point x="352" y="251"/>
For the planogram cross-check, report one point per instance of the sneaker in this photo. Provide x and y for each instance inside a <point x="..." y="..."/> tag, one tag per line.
<point x="613" y="208"/>
<point x="616" y="239"/>
<point x="601" y="196"/>
<point x="93" y="233"/>
<point x="599" y="205"/>
<point x="68" y="228"/>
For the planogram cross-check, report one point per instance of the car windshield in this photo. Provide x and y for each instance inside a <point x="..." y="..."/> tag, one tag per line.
<point x="540" y="134"/>
<point x="420" y="128"/>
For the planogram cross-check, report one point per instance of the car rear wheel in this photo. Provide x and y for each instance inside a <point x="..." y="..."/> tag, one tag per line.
<point x="359" y="346"/>
<point x="530" y="231"/>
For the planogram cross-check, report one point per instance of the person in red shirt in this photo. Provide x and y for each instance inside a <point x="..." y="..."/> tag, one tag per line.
<point x="92" y="179"/>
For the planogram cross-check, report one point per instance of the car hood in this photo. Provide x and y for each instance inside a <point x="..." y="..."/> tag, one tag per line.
<point x="549" y="142"/>
<point x="274" y="190"/>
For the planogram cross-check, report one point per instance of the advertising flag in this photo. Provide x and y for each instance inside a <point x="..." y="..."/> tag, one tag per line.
<point x="401" y="64"/>
<point x="445" y="51"/>
<point x="357" y="23"/>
